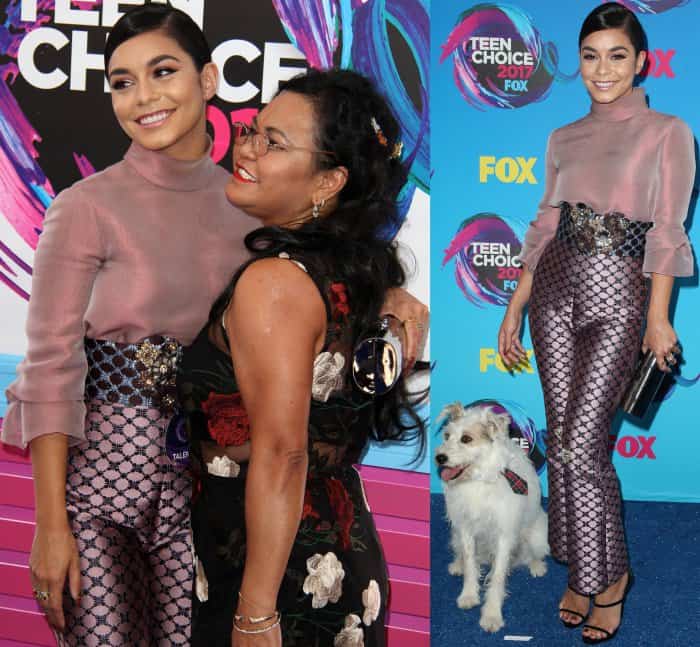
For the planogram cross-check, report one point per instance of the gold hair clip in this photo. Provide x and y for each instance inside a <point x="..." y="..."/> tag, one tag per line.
<point x="398" y="146"/>
<point x="378" y="132"/>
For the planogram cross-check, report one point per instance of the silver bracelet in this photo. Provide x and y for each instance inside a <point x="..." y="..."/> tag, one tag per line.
<point x="257" y="631"/>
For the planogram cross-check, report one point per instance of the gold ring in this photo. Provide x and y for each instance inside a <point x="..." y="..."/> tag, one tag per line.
<point x="413" y="320"/>
<point x="42" y="596"/>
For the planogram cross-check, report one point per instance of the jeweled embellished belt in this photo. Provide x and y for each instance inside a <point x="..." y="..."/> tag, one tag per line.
<point x="136" y="375"/>
<point x="601" y="233"/>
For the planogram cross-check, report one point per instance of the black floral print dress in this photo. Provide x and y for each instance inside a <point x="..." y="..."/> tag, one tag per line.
<point x="335" y="588"/>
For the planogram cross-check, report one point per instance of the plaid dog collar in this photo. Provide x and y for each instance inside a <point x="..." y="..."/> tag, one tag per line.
<point x="517" y="483"/>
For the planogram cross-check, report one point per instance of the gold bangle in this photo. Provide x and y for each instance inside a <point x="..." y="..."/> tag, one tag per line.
<point x="256" y="621"/>
<point x="257" y="631"/>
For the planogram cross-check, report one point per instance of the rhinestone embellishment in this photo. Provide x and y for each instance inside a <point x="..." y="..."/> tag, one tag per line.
<point x="596" y="233"/>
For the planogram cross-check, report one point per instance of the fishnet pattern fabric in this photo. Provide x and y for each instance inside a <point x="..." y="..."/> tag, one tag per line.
<point x="586" y="314"/>
<point x="129" y="509"/>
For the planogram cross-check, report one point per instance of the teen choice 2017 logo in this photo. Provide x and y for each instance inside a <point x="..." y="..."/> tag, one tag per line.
<point x="485" y="251"/>
<point x="500" y="59"/>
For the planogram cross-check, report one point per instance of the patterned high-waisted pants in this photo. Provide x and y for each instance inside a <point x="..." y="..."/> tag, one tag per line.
<point x="129" y="509"/>
<point x="586" y="315"/>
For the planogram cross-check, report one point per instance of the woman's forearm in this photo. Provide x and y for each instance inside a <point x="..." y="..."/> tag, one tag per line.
<point x="274" y="501"/>
<point x="49" y="458"/>
<point x="660" y="297"/>
<point x="521" y="295"/>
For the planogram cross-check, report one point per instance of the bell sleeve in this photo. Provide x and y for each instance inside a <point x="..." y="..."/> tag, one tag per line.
<point x="544" y="226"/>
<point x="667" y="248"/>
<point x="48" y="395"/>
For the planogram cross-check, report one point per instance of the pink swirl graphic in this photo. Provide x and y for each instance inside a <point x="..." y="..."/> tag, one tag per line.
<point x="486" y="268"/>
<point x="653" y="6"/>
<point x="313" y="27"/>
<point x="25" y="191"/>
<point x="500" y="59"/>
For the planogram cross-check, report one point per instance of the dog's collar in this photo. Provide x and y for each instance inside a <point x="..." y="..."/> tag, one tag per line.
<point x="517" y="483"/>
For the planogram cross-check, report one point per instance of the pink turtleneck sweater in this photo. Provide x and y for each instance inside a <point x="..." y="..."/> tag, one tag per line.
<point x="142" y="248"/>
<point x="622" y="157"/>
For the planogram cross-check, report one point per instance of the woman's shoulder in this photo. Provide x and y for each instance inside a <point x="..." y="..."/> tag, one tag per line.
<point x="92" y="187"/>
<point x="280" y="280"/>
<point x="559" y="136"/>
<point x="669" y="124"/>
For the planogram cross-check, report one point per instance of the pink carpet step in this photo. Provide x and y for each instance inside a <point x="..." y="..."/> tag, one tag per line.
<point x="407" y="631"/>
<point x="397" y="493"/>
<point x="400" y="502"/>
<point x="22" y="622"/>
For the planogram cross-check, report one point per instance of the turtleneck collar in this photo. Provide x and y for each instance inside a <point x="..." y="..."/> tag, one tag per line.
<point x="168" y="173"/>
<point x="623" y="108"/>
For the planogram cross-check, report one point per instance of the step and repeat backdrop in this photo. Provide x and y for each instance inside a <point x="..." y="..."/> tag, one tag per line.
<point x="503" y="75"/>
<point x="57" y="126"/>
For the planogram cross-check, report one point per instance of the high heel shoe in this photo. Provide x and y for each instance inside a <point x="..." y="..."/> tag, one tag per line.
<point x="584" y="617"/>
<point x="609" y="635"/>
<point x="572" y="625"/>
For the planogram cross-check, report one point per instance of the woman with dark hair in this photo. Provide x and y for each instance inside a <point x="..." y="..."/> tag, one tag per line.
<point x="599" y="263"/>
<point x="128" y="265"/>
<point x="287" y="552"/>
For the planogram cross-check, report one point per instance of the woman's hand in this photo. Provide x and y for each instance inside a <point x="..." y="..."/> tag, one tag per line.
<point x="509" y="346"/>
<point x="661" y="339"/>
<point x="415" y="317"/>
<point x="54" y="556"/>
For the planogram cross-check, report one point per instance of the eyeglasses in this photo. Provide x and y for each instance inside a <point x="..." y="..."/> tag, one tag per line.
<point x="262" y="144"/>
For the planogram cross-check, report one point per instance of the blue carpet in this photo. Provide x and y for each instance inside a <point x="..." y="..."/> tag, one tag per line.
<point x="663" y="607"/>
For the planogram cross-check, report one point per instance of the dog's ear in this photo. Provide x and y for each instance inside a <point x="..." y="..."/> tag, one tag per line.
<point x="451" y="412"/>
<point x="496" y="425"/>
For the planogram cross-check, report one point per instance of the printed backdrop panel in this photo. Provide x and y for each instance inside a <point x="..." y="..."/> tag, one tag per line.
<point x="503" y="76"/>
<point x="58" y="125"/>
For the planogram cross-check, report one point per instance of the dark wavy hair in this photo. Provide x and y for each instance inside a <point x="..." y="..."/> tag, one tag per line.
<point x="154" y="17"/>
<point x="350" y="244"/>
<point x="613" y="15"/>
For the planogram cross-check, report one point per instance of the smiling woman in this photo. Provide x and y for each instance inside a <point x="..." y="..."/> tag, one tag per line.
<point x="286" y="547"/>
<point x="126" y="269"/>
<point x="272" y="174"/>
<point x="611" y="59"/>
<point x="158" y="93"/>
<point x="617" y="192"/>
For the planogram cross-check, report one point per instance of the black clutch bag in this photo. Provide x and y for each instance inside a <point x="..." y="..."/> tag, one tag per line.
<point x="645" y="384"/>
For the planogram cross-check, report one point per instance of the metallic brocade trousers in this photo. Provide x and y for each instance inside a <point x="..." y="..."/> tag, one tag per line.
<point x="586" y="315"/>
<point x="129" y="510"/>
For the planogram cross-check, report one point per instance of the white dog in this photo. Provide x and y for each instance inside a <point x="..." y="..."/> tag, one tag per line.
<point x="492" y="496"/>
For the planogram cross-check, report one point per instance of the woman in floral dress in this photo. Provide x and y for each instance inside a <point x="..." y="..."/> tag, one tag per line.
<point x="287" y="552"/>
